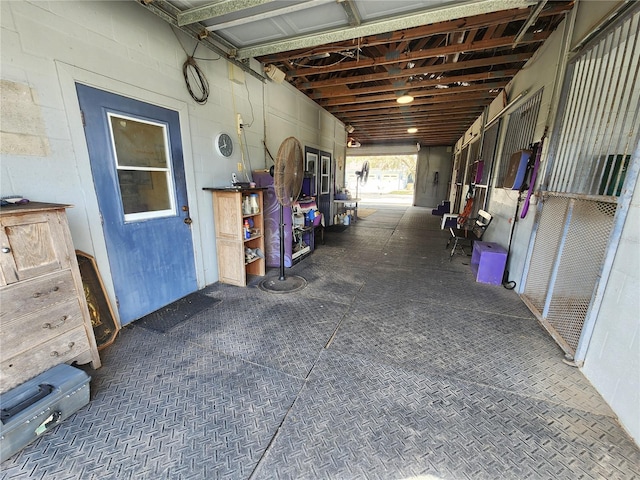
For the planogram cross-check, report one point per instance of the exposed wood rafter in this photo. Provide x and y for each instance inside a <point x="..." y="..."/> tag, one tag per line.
<point x="453" y="58"/>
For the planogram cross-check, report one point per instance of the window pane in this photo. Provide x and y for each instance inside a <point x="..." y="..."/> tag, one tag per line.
<point x="144" y="191"/>
<point x="139" y="144"/>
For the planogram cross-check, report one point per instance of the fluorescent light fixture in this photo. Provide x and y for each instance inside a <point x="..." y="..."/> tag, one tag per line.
<point x="320" y="56"/>
<point x="412" y="130"/>
<point x="404" y="99"/>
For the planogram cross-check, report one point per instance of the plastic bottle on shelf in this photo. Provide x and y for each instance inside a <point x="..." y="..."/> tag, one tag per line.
<point x="254" y="203"/>
<point x="247" y="230"/>
<point x="246" y="205"/>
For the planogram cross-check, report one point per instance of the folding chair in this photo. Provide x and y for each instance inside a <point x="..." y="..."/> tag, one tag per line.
<point x="468" y="233"/>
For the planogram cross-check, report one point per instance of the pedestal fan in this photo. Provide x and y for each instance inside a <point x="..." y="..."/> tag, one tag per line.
<point x="288" y="173"/>
<point x="362" y="176"/>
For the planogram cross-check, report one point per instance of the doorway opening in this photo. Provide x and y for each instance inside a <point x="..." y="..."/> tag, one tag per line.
<point x="390" y="181"/>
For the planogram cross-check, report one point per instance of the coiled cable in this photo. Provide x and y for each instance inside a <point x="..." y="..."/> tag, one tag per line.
<point x="191" y="69"/>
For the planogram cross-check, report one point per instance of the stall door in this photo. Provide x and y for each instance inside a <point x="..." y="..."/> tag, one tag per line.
<point x="138" y="172"/>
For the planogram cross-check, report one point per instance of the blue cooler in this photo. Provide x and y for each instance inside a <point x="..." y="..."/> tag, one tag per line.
<point x="38" y="405"/>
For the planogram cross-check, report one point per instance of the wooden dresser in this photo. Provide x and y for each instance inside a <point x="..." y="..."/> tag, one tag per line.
<point x="44" y="320"/>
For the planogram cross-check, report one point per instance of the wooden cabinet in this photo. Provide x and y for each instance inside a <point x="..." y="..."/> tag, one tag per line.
<point x="44" y="320"/>
<point x="238" y="255"/>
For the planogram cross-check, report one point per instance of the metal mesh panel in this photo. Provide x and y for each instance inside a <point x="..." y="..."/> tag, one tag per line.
<point x="544" y="251"/>
<point x="565" y="265"/>
<point x="590" y="224"/>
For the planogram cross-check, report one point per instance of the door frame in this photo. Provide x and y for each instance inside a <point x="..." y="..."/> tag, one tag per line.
<point x="89" y="237"/>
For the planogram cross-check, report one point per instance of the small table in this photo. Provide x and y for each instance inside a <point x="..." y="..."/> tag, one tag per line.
<point x="342" y="205"/>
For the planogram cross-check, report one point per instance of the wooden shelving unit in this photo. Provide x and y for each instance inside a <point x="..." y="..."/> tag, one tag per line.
<point x="233" y="264"/>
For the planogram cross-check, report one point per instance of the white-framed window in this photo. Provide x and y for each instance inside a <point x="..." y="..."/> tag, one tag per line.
<point x="143" y="164"/>
<point x="325" y="173"/>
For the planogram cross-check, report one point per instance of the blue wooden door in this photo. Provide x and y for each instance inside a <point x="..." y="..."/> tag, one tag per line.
<point x="138" y="171"/>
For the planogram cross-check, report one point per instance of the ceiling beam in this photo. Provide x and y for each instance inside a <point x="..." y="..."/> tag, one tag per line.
<point x="421" y="129"/>
<point x="268" y="14"/>
<point x="429" y="116"/>
<point x="416" y="93"/>
<point x="491" y="20"/>
<point x="354" y="114"/>
<point x="394" y="57"/>
<point x="439" y="68"/>
<point x="216" y="9"/>
<point x="344" y="91"/>
<point x="533" y="16"/>
<point x="433" y="14"/>
<point x="459" y="98"/>
<point x="352" y="12"/>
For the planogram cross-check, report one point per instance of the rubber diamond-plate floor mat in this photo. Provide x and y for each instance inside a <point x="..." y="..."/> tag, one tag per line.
<point x="454" y="289"/>
<point x="359" y="419"/>
<point x="392" y="363"/>
<point x="283" y="332"/>
<point x="163" y="409"/>
<point x="507" y="353"/>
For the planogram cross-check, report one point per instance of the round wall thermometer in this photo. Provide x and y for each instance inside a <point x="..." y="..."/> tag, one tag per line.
<point x="224" y="145"/>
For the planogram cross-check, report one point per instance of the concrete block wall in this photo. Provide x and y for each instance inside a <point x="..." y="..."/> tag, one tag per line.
<point x="121" y="47"/>
<point x="612" y="362"/>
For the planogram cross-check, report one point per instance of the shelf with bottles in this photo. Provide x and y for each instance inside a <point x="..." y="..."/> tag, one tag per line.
<point x="250" y="205"/>
<point x="251" y="228"/>
<point x="239" y="234"/>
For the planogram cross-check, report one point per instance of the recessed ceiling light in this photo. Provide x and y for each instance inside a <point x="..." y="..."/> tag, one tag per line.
<point x="412" y="130"/>
<point x="404" y="99"/>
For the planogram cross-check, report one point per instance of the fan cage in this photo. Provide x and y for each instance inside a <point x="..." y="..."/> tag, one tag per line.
<point x="288" y="172"/>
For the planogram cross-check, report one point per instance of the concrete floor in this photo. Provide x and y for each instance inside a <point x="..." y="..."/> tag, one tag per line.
<point x="393" y="363"/>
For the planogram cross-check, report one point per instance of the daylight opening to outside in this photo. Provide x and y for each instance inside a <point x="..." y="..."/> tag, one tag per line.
<point x="390" y="178"/>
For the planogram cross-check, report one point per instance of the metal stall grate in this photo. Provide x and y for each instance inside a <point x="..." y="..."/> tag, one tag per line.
<point x="520" y="130"/>
<point x="569" y="249"/>
<point x="544" y="252"/>
<point x="595" y="134"/>
<point x="599" y="126"/>
<point x="489" y="145"/>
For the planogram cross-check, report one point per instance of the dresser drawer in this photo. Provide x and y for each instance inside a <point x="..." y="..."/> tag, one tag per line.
<point x="20" y="334"/>
<point x="61" y="349"/>
<point x="36" y="294"/>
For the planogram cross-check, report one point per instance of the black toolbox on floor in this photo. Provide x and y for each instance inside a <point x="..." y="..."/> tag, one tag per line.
<point x="38" y="405"/>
